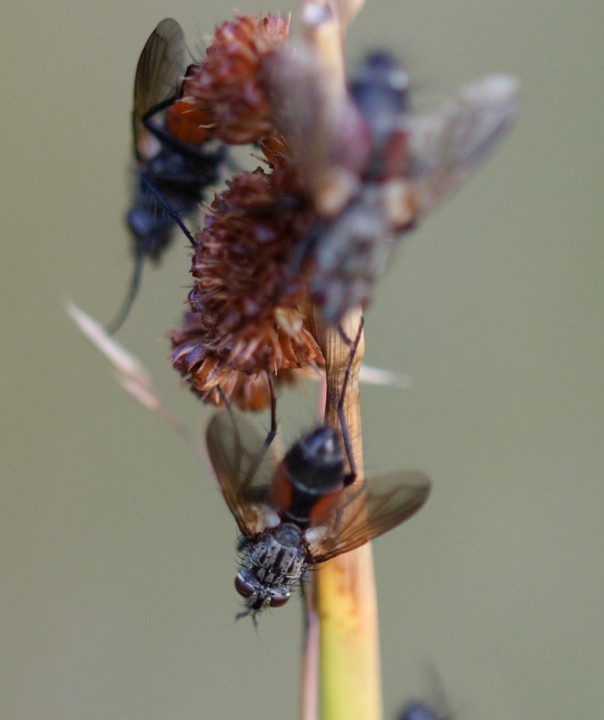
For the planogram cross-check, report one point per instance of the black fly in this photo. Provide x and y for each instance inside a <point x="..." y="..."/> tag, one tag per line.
<point x="171" y="174"/>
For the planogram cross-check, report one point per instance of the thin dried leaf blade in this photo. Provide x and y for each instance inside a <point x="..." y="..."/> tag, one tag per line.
<point x="131" y="373"/>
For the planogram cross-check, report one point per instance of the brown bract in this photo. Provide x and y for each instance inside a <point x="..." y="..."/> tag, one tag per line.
<point x="206" y="371"/>
<point x="228" y="84"/>
<point x="247" y="308"/>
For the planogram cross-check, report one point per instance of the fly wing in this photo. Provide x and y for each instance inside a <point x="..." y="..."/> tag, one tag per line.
<point x="160" y="67"/>
<point x="244" y="467"/>
<point x="363" y="515"/>
<point x="446" y="146"/>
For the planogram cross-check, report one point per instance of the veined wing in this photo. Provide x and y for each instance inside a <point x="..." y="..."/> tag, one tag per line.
<point x="159" y="70"/>
<point x="363" y="515"/>
<point x="447" y="145"/>
<point x="235" y="448"/>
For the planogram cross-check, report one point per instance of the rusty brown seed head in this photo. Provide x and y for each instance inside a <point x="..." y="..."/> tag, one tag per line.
<point x="247" y="309"/>
<point x="227" y="85"/>
<point x="206" y="372"/>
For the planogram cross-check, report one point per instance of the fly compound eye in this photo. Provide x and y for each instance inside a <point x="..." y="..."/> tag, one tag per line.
<point x="279" y="598"/>
<point x="245" y="587"/>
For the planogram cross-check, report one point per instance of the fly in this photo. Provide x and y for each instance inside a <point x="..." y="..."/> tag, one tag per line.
<point x="418" y="710"/>
<point x="296" y="512"/>
<point x="171" y="174"/>
<point x="373" y="168"/>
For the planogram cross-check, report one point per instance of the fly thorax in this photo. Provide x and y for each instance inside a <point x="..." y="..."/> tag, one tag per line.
<point x="277" y="557"/>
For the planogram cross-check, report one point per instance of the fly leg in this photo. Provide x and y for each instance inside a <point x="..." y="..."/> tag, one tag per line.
<point x="353" y="344"/>
<point x="270" y="436"/>
<point x="148" y="184"/>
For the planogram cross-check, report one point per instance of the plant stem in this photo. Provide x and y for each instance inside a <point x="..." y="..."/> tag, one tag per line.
<point x="344" y="588"/>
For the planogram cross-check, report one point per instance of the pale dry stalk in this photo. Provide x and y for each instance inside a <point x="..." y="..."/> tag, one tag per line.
<point x="344" y="588"/>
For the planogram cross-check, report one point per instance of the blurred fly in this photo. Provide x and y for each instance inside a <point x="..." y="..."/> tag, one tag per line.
<point x="301" y="510"/>
<point x="373" y="168"/>
<point x="417" y="710"/>
<point x="171" y="174"/>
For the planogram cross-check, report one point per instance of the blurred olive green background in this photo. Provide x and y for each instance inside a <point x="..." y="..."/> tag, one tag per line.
<point x="117" y="553"/>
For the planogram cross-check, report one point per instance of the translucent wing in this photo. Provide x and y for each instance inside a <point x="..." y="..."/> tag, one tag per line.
<point x="447" y="145"/>
<point x="160" y="67"/>
<point x="235" y="449"/>
<point x="389" y="500"/>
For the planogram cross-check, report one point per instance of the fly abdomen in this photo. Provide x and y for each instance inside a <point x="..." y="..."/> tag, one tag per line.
<point x="312" y="472"/>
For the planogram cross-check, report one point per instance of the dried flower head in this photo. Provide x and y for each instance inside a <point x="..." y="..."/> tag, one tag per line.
<point x="226" y="90"/>
<point x="247" y="309"/>
<point x="349" y="169"/>
<point x="207" y="372"/>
